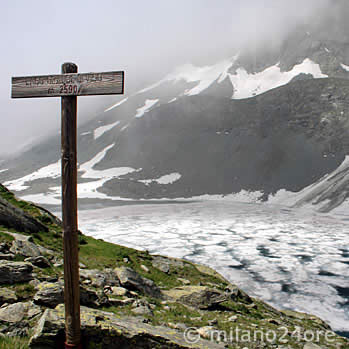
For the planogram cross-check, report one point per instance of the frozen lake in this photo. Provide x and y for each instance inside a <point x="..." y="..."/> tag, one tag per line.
<point x="290" y="258"/>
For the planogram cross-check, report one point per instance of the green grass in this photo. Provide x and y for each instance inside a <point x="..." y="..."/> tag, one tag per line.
<point x="26" y="206"/>
<point x="14" y="343"/>
<point x="5" y="237"/>
<point x="24" y="291"/>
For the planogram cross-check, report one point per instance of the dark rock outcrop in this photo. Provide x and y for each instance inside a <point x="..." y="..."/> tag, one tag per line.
<point x="16" y="218"/>
<point x="132" y="280"/>
<point x="12" y="272"/>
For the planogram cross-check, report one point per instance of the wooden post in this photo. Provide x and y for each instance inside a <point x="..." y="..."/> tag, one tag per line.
<point x="69" y="214"/>
<point x="68" y="86"/>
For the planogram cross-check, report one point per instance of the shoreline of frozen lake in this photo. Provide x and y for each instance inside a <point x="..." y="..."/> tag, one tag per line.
<point x="291" y="258"/>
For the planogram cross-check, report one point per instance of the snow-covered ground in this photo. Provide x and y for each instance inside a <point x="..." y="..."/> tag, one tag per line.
<point x="291" y="258"/>
<point x="149" y="103"/>
<point x="98" y="132"/>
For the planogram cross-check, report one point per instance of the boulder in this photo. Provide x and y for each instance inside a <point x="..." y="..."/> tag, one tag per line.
<point x="117" y="302"/>
<point x="12" y="272"/>
<point x="238" y="295"/>
<point x="21" y="237"/>
<point x="25" y="248"/>
<point x="164" y="264"/>
<point x="99" y="278"/>
<point x="201" y="297"/>
<point x="89" y="297"/>
<point x="49" y="294"/>
<point x="14" y="312"/>
<point x="133" y="281"/>
<point x="106" y="330"/>
<point x="40" y="261"/>
<point x="7" y="256"/>
<point x="4" y="248"/>
<point x="7" y="295"/>
<point x="142" y="307"/>
<point x="115" y="291"/>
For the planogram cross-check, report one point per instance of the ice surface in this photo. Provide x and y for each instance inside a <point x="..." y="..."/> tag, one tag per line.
<point x="291" y="258"/>
<point x="149" y="103"/>
<point x="49" y="199"/>
<point x="98" y="132"/>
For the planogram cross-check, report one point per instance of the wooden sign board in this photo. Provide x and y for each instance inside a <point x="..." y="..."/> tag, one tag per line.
<point x="86" y="84"/>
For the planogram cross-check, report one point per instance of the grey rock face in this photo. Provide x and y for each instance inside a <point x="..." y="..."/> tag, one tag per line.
<point x="164" y="264"/>
<point x="7" y="256"/>
<point x="12" y="272"/>
<point x="25" y="248"/>
<point x="49" y="294"/>
<point x="105" y="329"/>
<point x="133" y="281"/>
<point x="7" y="295"/>
<point x="14" y="312"/>
<point x="201" y="297"/>
<point x="14" y="217"/>
<point x="40" y="261"/>
<point x="99" y="278"/>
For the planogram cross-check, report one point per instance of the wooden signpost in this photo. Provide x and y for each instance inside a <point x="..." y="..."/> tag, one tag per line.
<point x="68" y="86"/>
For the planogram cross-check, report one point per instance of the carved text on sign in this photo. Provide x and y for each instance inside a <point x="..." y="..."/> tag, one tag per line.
<point x="68" y="85"/>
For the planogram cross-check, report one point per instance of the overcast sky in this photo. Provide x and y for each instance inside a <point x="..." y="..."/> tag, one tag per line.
<point x="147" y="39"/>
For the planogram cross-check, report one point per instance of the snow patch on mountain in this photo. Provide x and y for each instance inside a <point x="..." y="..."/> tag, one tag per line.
<point x="149" y="103"/>
<point x="205" y="76"/>
<point x="85" y="133"/>
<point x="98" y="132"/>
<point x="247" y="85"/>
<point x="166" y="179"/>
<point x="310" y="194"/>
<point x="124" y="127"/>
<point x="49" y="171"/>
<point x="89" y="189"/>
<point x="345" y="67"/>
<point x="116" y="104"/>
<point x="4" y="170"/>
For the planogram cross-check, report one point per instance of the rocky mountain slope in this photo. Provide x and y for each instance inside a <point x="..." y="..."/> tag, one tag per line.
<point x="266" y="120"/>
<point x="130" y="298"/>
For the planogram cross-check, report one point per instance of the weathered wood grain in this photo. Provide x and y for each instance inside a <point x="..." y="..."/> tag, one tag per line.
<point x="86" y="84"/>
<point x="69" y="215"/>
